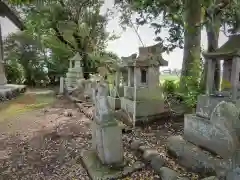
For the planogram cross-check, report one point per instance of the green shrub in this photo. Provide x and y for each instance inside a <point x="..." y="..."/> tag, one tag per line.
<point x="169" y="87"/>
<point x="192" y="90"/>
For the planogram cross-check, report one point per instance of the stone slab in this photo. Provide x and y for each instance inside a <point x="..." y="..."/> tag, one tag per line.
<point x="203" y="133"/>
<point x="143" y="108"/>
<point x="210" y="178"/>
<point x="9" y="91"/>
<point x="195" y="159"/>
<point x="98" y="171"/>
<point x="169" y="174"/>
<point x="206" y="104"/>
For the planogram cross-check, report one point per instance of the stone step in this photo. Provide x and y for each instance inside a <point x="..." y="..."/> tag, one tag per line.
<point x="195" y="159"/>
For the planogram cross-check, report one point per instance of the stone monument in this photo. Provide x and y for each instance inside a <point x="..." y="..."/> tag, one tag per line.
<point x="143" y="90"/>
<point x="106" y="159"/>
<point x="61" y="88"/>
<point x="107" y="135"/>
<point x="74" y="71"/>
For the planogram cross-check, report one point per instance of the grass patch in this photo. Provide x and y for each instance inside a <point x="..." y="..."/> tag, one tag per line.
<point x="164" y="77"/>
<point x="23" y="103"/>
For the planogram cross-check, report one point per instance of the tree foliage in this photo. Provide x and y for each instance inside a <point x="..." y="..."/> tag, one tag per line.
<point x="57" y="30"/>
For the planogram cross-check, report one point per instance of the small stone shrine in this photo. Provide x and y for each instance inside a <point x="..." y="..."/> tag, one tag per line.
<point x="229" y="53"/>
<point x="208" y="118"/>
<point x="74" y="71"/>
<point x="143" y="83"/>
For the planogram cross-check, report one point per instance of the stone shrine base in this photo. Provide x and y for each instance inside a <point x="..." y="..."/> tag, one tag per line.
<point x="97" y="170"/>
<point x="196" y="159"/>
<point x="203" y="133"/>
<point x="9" y="91"/>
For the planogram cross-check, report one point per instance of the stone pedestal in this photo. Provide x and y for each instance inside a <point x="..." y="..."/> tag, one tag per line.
<point x="107" y="142"/>
<point x="149" y="102"/>
<point x="203" y="133"/>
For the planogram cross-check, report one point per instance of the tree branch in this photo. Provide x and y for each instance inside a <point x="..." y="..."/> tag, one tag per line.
<point x="61" y="38"/>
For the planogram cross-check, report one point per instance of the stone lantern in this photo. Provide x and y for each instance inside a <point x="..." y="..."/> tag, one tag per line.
<point x="74" y="71"/>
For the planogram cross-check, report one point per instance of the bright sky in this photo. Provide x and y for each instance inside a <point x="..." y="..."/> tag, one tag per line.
<point x="129" y="42"/>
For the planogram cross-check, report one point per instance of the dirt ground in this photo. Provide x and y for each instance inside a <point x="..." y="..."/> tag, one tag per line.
<point x="45" y="144"/>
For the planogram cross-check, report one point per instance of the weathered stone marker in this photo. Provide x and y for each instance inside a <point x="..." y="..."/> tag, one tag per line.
<point x="106" y="134"/>
<point x="61" y="88"/>
<point x="105" y="160"/>
<point x="219" y="134"/>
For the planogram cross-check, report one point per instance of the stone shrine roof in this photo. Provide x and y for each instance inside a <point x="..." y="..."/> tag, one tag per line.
<point x="228" y="50"/>
<point x="6" y="11"/>
<point x="148" y="56"/>
<point x="76" y="57"/>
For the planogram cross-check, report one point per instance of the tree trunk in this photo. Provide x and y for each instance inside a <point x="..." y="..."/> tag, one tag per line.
<point x="212" y="37"/>
<point x="192" y="40"/>
<point x="86" y="69"/>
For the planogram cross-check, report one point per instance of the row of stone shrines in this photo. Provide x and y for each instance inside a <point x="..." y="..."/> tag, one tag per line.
<point x="214" y="127"/>
<point x="136" y="88"/>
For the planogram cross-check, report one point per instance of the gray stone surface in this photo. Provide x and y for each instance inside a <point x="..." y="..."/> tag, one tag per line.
<point x="210" y="178"/>
<point x="98" y="171"/>
<point x="206" y="104"/>
<point x="135" y="144"/>
<point x="226" y="116"/>
<point x="61" y="87"/>
<point x="193" y="158"/>
<point x="143" y="148"/>
<point x="149" y="154"/>
<point x="233" y="174"/>
<point x="107" y="141"/>
<point x="209" y="135"/>
<point x="157" y="163"/>
<point x="169" y="174"/>
<point x="106" y="134"/>
<point x="9" y="91"/>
